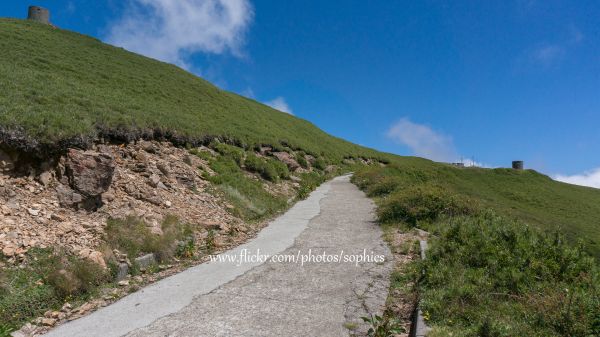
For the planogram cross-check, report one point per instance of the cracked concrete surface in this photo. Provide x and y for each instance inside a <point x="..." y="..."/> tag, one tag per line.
<point x="290" y="299"/>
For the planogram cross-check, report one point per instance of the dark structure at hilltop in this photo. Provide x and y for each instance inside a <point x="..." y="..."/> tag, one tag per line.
<point x="517" y="165"/>
<point x="39" y="14"/>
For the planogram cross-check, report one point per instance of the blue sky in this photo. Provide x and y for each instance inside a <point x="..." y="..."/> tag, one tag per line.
<point x="493" y="80"/>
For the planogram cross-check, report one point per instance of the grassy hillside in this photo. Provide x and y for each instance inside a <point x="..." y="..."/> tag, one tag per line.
<point x="525" y="195"/>
<point x="497" y="263"/>
<point x="57" y="85"/>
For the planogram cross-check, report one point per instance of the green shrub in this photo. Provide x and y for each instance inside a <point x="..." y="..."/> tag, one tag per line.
<point x="132" y="236"/>
<point x="261" y="166"/>
<point x="423" y="203"/>
<point x="383" y="186"/>
<point x="320" y="164"/>
<point x="309" y="182"/>
<point x="301" y="159"/>
<point x="209" y="245"/>
<point x="69" y="275"/>
<point x="282" y="170"/>
<point x="205" y="155"/>
<point x="49" y="278"/>
<point x="229" y="151"/>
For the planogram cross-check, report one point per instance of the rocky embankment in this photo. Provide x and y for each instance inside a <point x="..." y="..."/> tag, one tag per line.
<point x="66" y="203"/>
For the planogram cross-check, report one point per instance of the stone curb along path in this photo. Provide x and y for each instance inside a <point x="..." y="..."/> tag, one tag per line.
<point x="268" y="299"/>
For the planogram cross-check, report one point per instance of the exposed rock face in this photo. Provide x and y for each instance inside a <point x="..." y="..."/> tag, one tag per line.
<point x="287" y="159"/>
<point x="7" y="163"/>
<point x="67" y="197"/>
<point x="89" y="173"/>
<point x="44" y="210"/>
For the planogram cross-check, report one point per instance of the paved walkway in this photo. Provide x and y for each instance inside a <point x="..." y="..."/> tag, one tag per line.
<point x="272" y="298"/>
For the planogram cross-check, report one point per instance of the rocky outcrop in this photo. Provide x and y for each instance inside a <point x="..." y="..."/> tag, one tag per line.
<point x="89" y="173"/>
<point x="287" y="159"/>
<point x="146" y="179"/>
<point x="7" y="162"/>
<point x="84" y="176"/>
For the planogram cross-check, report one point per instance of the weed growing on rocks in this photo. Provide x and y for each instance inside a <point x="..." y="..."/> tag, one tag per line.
<point x="133" y="236"/>
<point x="48" y="279"/>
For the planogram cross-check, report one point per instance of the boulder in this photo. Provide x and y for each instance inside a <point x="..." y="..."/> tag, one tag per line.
<point x="89" y="173"/>
<point x="287" y="159"/>
<point x="122" y="271"/>
<point x="67" y="197"/>
<point x="164" y="169"/>
<point x="45" y="178"/>
<point x="145" y="261"/>
<point x="97" y="258"/>
<point x="154" y="180"/>
<point x="330" y="168"/>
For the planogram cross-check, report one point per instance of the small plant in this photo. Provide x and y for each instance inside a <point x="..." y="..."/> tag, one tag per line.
<point x="301" y="159"/>
<point x="265" y="168"/>
<point x="351" y="325"/>
<point x="205" y="155"/>
<point x="320" y="164"/>
<point x="186" y="248"/>
<point x="5" y="330"/>
<point x="210" y="242"/>
<point x="132" y="236"/>
<point x="282" y="170"/>
<point x="229" y="151"/>
<point x="48" y="278"/>
<point x="382" y="326"/>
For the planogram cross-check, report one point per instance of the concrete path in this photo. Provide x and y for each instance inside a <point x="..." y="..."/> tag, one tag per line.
<point x="299" y="297"/>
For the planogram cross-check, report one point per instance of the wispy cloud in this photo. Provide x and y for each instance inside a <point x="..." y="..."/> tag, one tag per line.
<point x="551" y="54"/>
<point x="248" y="92"/>
<point x="171" y="30"/>
<point x="548" y="55"/>
<point x="590" y="178"/>
<point x="280" y="104"/>
<point x="423" y="140"/>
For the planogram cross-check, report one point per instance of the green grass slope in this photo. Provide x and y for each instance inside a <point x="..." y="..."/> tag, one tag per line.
<point x="524" y="195"/>
<point x="57" y="86"/>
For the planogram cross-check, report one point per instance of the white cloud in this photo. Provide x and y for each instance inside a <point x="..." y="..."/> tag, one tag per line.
<point x="590" y="178"/>
<point x="423" y="140"/>
<point x="172" y="30"/>
<point x="280" y="104"/>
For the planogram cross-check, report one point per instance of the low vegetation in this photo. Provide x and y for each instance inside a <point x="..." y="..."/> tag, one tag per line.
<point x="249" y="198"/>
<point x="486" y="275"/>
<point x="498" y="265"/>
<point x="133" y="237"/>
<point x="52" y="277"/>
<point x="525" y="195"/>
<point x="59" y="88"/>
<point x="49" y="279"/>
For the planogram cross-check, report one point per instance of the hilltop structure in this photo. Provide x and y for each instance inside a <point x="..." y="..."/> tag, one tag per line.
<point x="39" y="14"/>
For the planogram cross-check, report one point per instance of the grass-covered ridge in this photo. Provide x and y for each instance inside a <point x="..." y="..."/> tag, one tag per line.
<point x="58" y="85"/>
<point x="526" y="195"/>
<point x="498" y="263"/>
